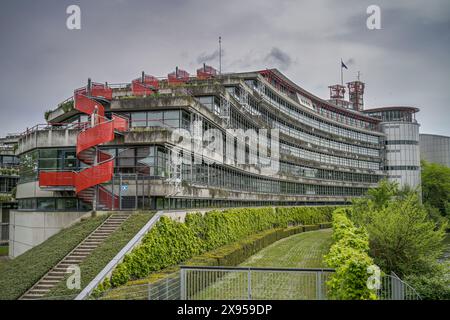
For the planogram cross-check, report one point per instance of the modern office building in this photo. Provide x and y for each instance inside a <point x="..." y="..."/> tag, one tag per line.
<point x="115" y="147"/>
<point x="9" y="176"/>
<point x="402" y="156"/>
<point x="435" y="148"/>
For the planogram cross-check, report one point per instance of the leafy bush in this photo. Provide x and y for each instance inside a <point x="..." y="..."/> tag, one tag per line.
<point x="434" y="285"/>
<point x="169" y="242"/>
<point x="349" y="256"/>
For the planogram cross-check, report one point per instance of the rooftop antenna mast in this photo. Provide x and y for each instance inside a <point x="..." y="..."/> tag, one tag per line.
<point x="220" y="55"/>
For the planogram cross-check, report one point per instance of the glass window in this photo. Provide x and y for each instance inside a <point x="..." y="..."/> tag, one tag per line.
<point x="66" y="203"/>
<point x="46" y="204"/>
<point x="48" y="153"/>
<point x="155" y="119"/>
<point x="139" y="119"/>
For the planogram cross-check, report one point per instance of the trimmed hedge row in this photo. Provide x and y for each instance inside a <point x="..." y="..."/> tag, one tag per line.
<point x="170" y="243"/>
<point x="349" y="256"/>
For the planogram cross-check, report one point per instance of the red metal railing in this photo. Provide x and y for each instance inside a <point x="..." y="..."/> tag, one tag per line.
<point x="206" y="72"/>
<point x="145" y="85"/>
<point x="179" y="76"/>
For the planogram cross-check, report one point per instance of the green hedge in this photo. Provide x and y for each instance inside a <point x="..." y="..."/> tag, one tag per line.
<point x="19" y="274"/>
<point x="349" y="256"/>
<point x="170" y="243"/>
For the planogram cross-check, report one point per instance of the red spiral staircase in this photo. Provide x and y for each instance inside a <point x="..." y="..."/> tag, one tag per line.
<point x="100" y="164"/>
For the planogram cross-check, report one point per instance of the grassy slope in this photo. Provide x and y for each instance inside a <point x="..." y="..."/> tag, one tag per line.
<point x="19" y="274"/>
<point x="304" y="250"/>
<point x="103" y="254"/>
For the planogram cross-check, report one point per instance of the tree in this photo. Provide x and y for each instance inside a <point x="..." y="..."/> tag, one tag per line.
<point x="436" y="187"/>
<point x="403" y="239"/>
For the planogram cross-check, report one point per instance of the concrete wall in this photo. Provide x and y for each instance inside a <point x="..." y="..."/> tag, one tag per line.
<point x="28" y="229"/>
<point x="48" y="139"/>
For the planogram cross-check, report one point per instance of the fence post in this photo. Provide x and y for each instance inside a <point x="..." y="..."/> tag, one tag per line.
<point x="120" y="191"/>
<point x="319" y="285"/>
<point x="149" y="293"/>
<point x="397" y="288"/>
<point x="182" y="284"/>
<point x="249" y="284"/>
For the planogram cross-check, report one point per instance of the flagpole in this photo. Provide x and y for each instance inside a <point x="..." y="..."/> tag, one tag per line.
<point x="342" y="75"/>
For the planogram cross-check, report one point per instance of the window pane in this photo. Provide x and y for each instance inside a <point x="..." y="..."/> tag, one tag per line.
<point x="139" y="119"/>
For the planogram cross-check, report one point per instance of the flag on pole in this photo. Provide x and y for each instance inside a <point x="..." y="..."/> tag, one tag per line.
<point x="343" y="65"/>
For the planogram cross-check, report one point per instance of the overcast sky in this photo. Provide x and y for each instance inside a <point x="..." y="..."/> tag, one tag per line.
<point x="405" y="63"/>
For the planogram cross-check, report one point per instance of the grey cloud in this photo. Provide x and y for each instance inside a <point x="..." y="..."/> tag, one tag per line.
<point x="278" y="58"/>
<point x="350" y="62"/>
<point x="208" y="57"/>
<point x="407" y="62"/>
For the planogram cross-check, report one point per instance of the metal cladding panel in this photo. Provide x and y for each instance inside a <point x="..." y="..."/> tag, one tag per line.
<point x="106" y="198"/>
<point x="87" y="105"/>
<point x="93" y="176"/>
<point x="91" y="137"/>
<point x="119" y="123"/>
<point x="100" y="90"/>
<point x="140" y="89"/>
<point x="52" y="179"/>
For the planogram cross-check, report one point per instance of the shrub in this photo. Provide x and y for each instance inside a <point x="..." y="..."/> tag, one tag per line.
<point x="433" y="285"/>
<point x="349" y="256"/>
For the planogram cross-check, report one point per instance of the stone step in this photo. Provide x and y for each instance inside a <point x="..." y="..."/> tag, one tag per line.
<point x="79" y="254"/>
<point x="49" y="281"/>
<point x="49" y="277"/>
<point x="99" y="236"/>
<point x="92" y="242"/>
<point x="39" y="291"/>
<point x="68" y="263"/>
<point x="44" y="286"/>
<point x="83" y="251"/>
<point x="32" y="296"/>
<point x="57" y="273"/>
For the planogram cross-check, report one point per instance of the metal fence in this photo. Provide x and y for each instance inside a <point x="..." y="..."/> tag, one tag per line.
<point x="393" y="288"/>
<point x="164" y="289"/>
<point x="238" y="283"/>
<point x="247" y="283"/>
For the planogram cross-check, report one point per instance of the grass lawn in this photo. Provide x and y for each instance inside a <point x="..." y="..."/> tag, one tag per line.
<point x="100" y="257"/>
<point x="4" y="251"/>
<point x="304" y="250"/>
<point x="19" y="274"/>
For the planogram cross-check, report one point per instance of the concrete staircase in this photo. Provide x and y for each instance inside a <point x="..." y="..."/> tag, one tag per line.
<point x="75" y="257"/>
